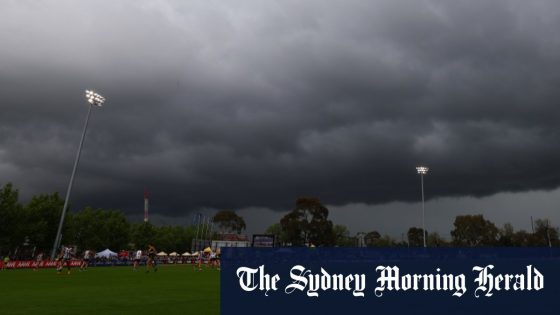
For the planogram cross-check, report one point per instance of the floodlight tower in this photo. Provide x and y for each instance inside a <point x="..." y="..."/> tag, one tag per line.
<point x="93" y="99"/>
<point x="423" y="170"/>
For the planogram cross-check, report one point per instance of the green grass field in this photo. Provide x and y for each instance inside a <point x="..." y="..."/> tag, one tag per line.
<point x="111" y="290"/>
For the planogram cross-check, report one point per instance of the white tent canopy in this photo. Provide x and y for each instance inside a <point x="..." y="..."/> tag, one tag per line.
<point x="106" y="254"/>
<point x="174" y="254"/>
<point x="162" y="254"/>
<point x="186" y="254"/>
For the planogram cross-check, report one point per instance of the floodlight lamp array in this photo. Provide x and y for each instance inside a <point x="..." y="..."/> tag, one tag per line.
<point x="422" y="170"/>
<point x="94" y="98"/>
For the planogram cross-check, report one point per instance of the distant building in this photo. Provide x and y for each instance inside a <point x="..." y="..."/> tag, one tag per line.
<point x="232" y="237"/>
<point x="230" y="240"/>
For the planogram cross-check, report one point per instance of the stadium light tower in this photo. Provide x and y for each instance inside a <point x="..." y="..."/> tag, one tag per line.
<point x="93" y="99"/>
<point x="423" y="170"/>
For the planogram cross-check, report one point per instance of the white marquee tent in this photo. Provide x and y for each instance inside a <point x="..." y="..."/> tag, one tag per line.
<point x="106" y="254"/>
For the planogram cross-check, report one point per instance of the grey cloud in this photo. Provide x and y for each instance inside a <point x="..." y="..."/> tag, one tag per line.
<point x="252" y="104"/>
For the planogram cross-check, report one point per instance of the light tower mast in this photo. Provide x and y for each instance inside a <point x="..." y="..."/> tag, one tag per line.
<point x="146" y="196"/>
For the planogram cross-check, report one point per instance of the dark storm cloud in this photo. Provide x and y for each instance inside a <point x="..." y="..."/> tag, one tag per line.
<point x="254" y="103"/>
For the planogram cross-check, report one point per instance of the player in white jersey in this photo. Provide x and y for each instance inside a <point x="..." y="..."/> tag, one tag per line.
<point x="85" y="261"/>
<point x="137" y="259"/>
<point x="213" y="260"/>
<point x="66" y="257"/>
<point x="39" y="260"/>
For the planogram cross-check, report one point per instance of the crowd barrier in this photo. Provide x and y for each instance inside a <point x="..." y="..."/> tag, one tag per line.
<point x="18" y="264"/>
<point x="21" y="264"/>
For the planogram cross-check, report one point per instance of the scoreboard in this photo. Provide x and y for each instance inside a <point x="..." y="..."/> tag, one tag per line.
<point x="263" y="240"/>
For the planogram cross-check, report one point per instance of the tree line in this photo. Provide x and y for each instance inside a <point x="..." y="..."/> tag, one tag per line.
<point x="32" y="227"/>
<point x="308" y="224"/>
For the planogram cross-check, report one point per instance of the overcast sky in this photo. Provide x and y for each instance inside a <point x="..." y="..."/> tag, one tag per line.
<point x="247" y="105"/>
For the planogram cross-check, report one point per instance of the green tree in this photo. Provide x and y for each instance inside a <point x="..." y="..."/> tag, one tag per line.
<point x="228" y="221"/>
<point x="386" y="241"/>
<point x="279" y="235"/>
<point x="342" y="236"/>
<point x="371" y="239"/>
<point x="435" y="240"/>
<point x="12" y="223"/>
<point x="474" y="230"/>
<point x="308" y="224"/>
<point x="523" y="239"/>
<point x="98" y="229"/>
<point x="506" y="235"/>
<point x="172" y="238"/>
<point x="116" y="229"/>
<point x="415" y="237"/>
<point x="545" y="234"/>
<point x="143" y="234"/>
<point x="42" y="216"/>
